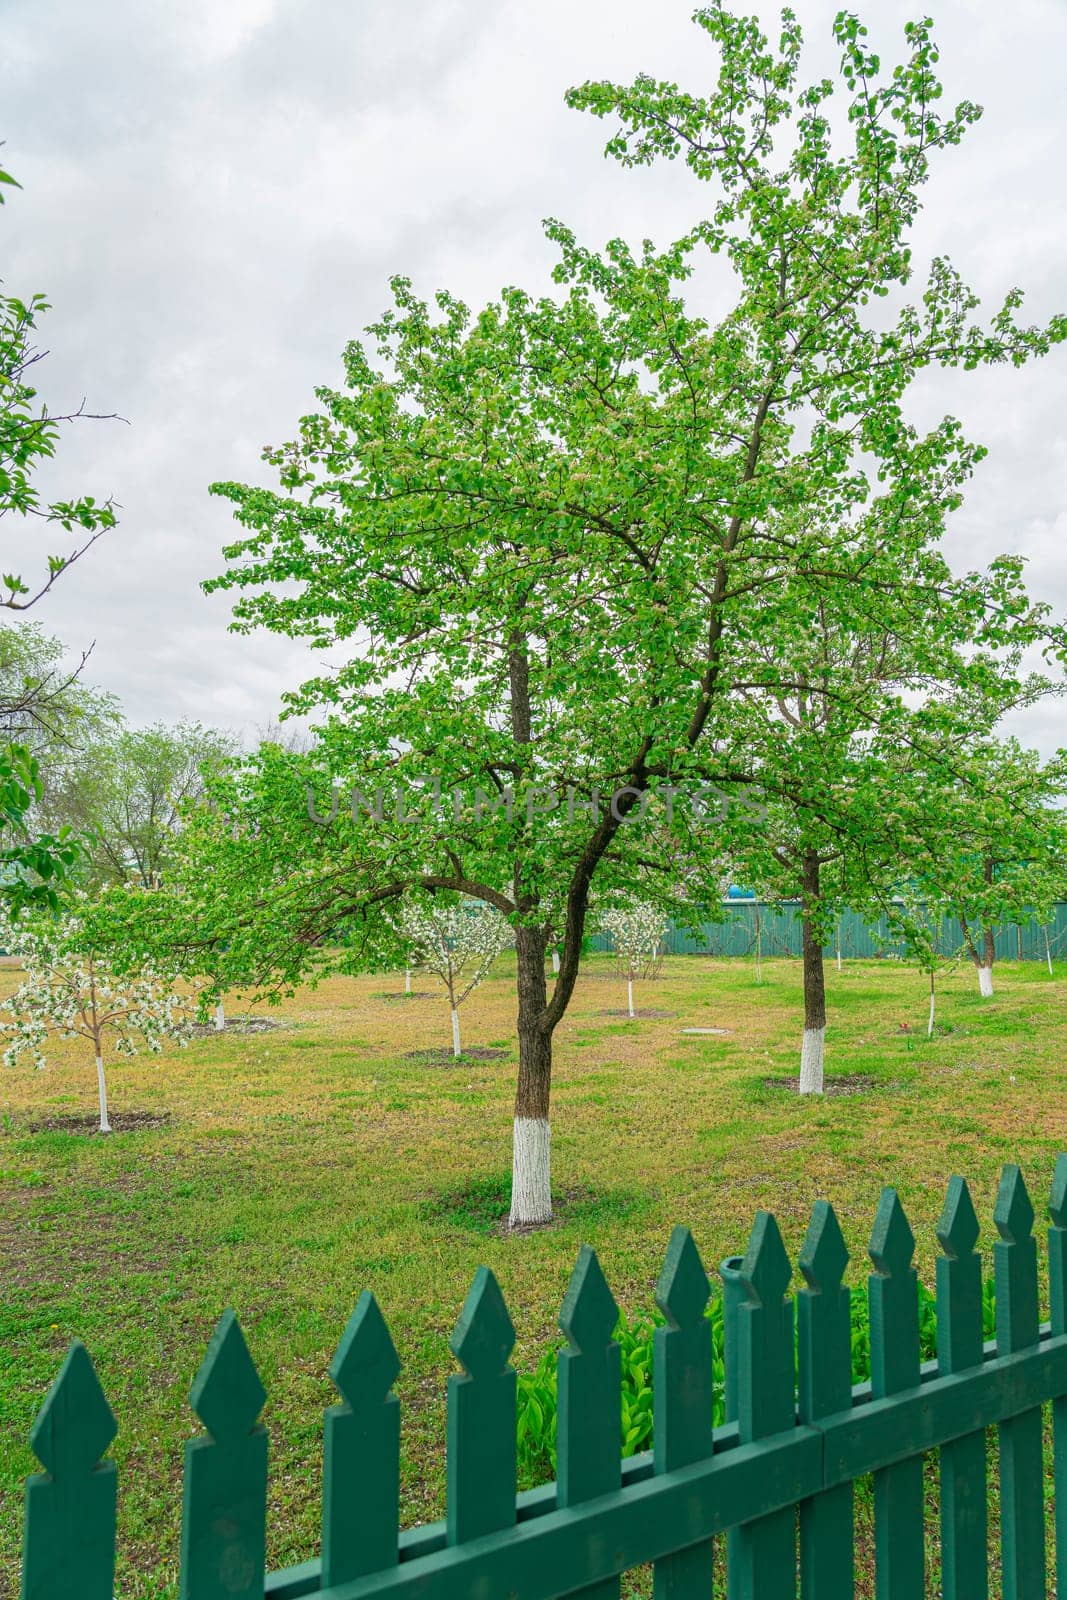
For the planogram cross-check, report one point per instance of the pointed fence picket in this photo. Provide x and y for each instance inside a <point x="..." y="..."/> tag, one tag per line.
<point x="764" y="1565"/>
<point x="776" y="1478"/>
<point x="898" y="1488"/>
<point x="824" y="1358"/>
<point x="589" y="1386"/>
<point x="682" y="1402"/>
<point x="1022" y="1511"/>
<point x="361" y="1452"/>
<point x="224" y="1513"/>
<point x="964" y="1560"/>
<point x="1057" y="1281"/>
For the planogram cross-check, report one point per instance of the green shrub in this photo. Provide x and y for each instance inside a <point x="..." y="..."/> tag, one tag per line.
<point x="537" y="1389"/>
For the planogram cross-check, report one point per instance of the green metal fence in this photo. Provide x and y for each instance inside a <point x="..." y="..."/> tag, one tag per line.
<point x="776" y="1480"/>
<point x="779" y="935"/>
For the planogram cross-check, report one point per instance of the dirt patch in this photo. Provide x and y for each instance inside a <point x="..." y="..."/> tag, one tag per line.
<point x="207" y="1030"/>
<point x="121" y="1122"/>
<point x="481" y="1205"/>
<point x="844" y="1083"/>
<point x="403" y="994"/>
<point x="445" y="1058"/>
<point x="649" y="1012"/>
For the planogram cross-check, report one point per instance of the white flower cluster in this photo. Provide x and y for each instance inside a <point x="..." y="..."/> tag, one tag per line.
<point x="70" y="993"/>
<point x="636" y="934"/>
<point x="455" y="941"/>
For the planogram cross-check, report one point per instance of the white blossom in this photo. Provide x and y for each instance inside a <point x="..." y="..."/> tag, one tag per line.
<point x="636" y="935"/>
<point x="69" y="992"/>
<point x="458" y="944"/>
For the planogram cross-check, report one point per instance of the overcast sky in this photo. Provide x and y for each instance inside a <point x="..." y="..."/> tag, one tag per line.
<point x="215" y="193"/>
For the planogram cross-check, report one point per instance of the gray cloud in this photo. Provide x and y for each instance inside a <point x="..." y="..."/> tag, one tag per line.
<point x="214" y="197"/>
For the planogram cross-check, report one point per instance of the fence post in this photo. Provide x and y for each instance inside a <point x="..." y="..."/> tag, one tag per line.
<point x="481" y="1468"/>
<point x="824" y="1348"/>
<point x="964" y="1540"/>
<point x="68" y="1541"/>
<point x="1022" y="1513"/>
<point x="894" y="1316"/>
<point x="733" y="1298"/>
<point x="589" y="1380"/>
<point x="1057" y="1279"/>
<point x="361" y="1452"/>
<point x="682" y="1401"/>
<point x="764" y="1565"/>
<point x="224" y="1509"/>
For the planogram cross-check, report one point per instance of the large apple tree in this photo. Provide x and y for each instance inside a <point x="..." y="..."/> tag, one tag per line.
<point x="545" y="537"/>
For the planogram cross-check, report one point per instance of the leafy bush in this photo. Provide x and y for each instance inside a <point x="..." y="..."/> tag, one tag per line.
<point x="537" y="1389"/>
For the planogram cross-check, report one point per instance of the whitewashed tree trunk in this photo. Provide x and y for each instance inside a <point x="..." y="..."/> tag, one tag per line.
<point x="407" y="980"/>
<point x="531" y="1172"/>
<point x="811" y="1059"/>
<point x="555" y="961"/>
<point x="985" y="981"/>
<point x="811" y="1050"/>
<point x="933" y="1003"/>
<point x="101" y="1084"/>
<point x="839" y="947"/>
<point x="1048" y="953"/>
<point x="455" y="1032"/>
<point x="220" y="1017"/>
<point x="630" y="995"/>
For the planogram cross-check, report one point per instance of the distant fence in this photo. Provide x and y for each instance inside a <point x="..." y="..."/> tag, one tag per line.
<point x="779" y="935"/>
<point x="797" y="1437"/>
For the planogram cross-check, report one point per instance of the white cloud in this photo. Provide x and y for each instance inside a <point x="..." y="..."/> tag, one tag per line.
<point x="214" y="197"/>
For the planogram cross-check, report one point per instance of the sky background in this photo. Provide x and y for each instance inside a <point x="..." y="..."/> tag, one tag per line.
<point x="215" y="193"/>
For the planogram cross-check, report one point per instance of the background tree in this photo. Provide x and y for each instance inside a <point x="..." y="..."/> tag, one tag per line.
<point x="45" y="703"/>
<point x="875" y="696"/>
<point x="29" y="434"/>
<point x="988" y="839"/>
<point x="921" y="927"/>
<point x="125" y="791"/>
<point x="562" y="522"/>
<point x="637" y="938"/>
<point x="458" y="944"/>
<point x="70" y="992"/>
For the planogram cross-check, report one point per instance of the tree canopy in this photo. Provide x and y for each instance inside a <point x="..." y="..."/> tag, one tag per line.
<point x="560" y="538"/>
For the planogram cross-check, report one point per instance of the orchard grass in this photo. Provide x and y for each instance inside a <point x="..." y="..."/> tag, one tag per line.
<point x="300" y="1165"/>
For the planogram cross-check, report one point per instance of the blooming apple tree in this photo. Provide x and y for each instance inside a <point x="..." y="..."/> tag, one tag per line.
<point x="637" y="936"/>
<point x="70" y="992"/>
<point x="458" y="944"/>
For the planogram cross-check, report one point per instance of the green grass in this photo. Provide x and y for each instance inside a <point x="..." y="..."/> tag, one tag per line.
<point x="301" y="1166"/>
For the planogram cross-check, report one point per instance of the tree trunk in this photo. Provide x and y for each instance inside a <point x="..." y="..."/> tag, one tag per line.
<point x="455" y="1032"/>
<point x="630" y="995"/>
<point x="811" y="1053"/>
<point x="531" y="1173"/>
<point x="220" y="1017"/>
<point x="555" y="961"/>
<point x="985" y="966"/>
<point x="983" y="961"/>
<point x="101" y="1084"/>
<point x="407" y="980"/>
<point x="1048" y="951"/>
<point x="933" y="1002"/>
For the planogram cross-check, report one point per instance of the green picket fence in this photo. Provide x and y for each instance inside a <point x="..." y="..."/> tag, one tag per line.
<point x="776" y="1480"/>
<point x="857" y="936"/>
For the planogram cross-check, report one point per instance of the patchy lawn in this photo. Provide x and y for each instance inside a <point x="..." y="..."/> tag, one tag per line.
<point x="282" y="1171"/>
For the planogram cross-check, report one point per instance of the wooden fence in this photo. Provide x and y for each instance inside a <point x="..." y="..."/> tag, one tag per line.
<point x="777" y="1480"/>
